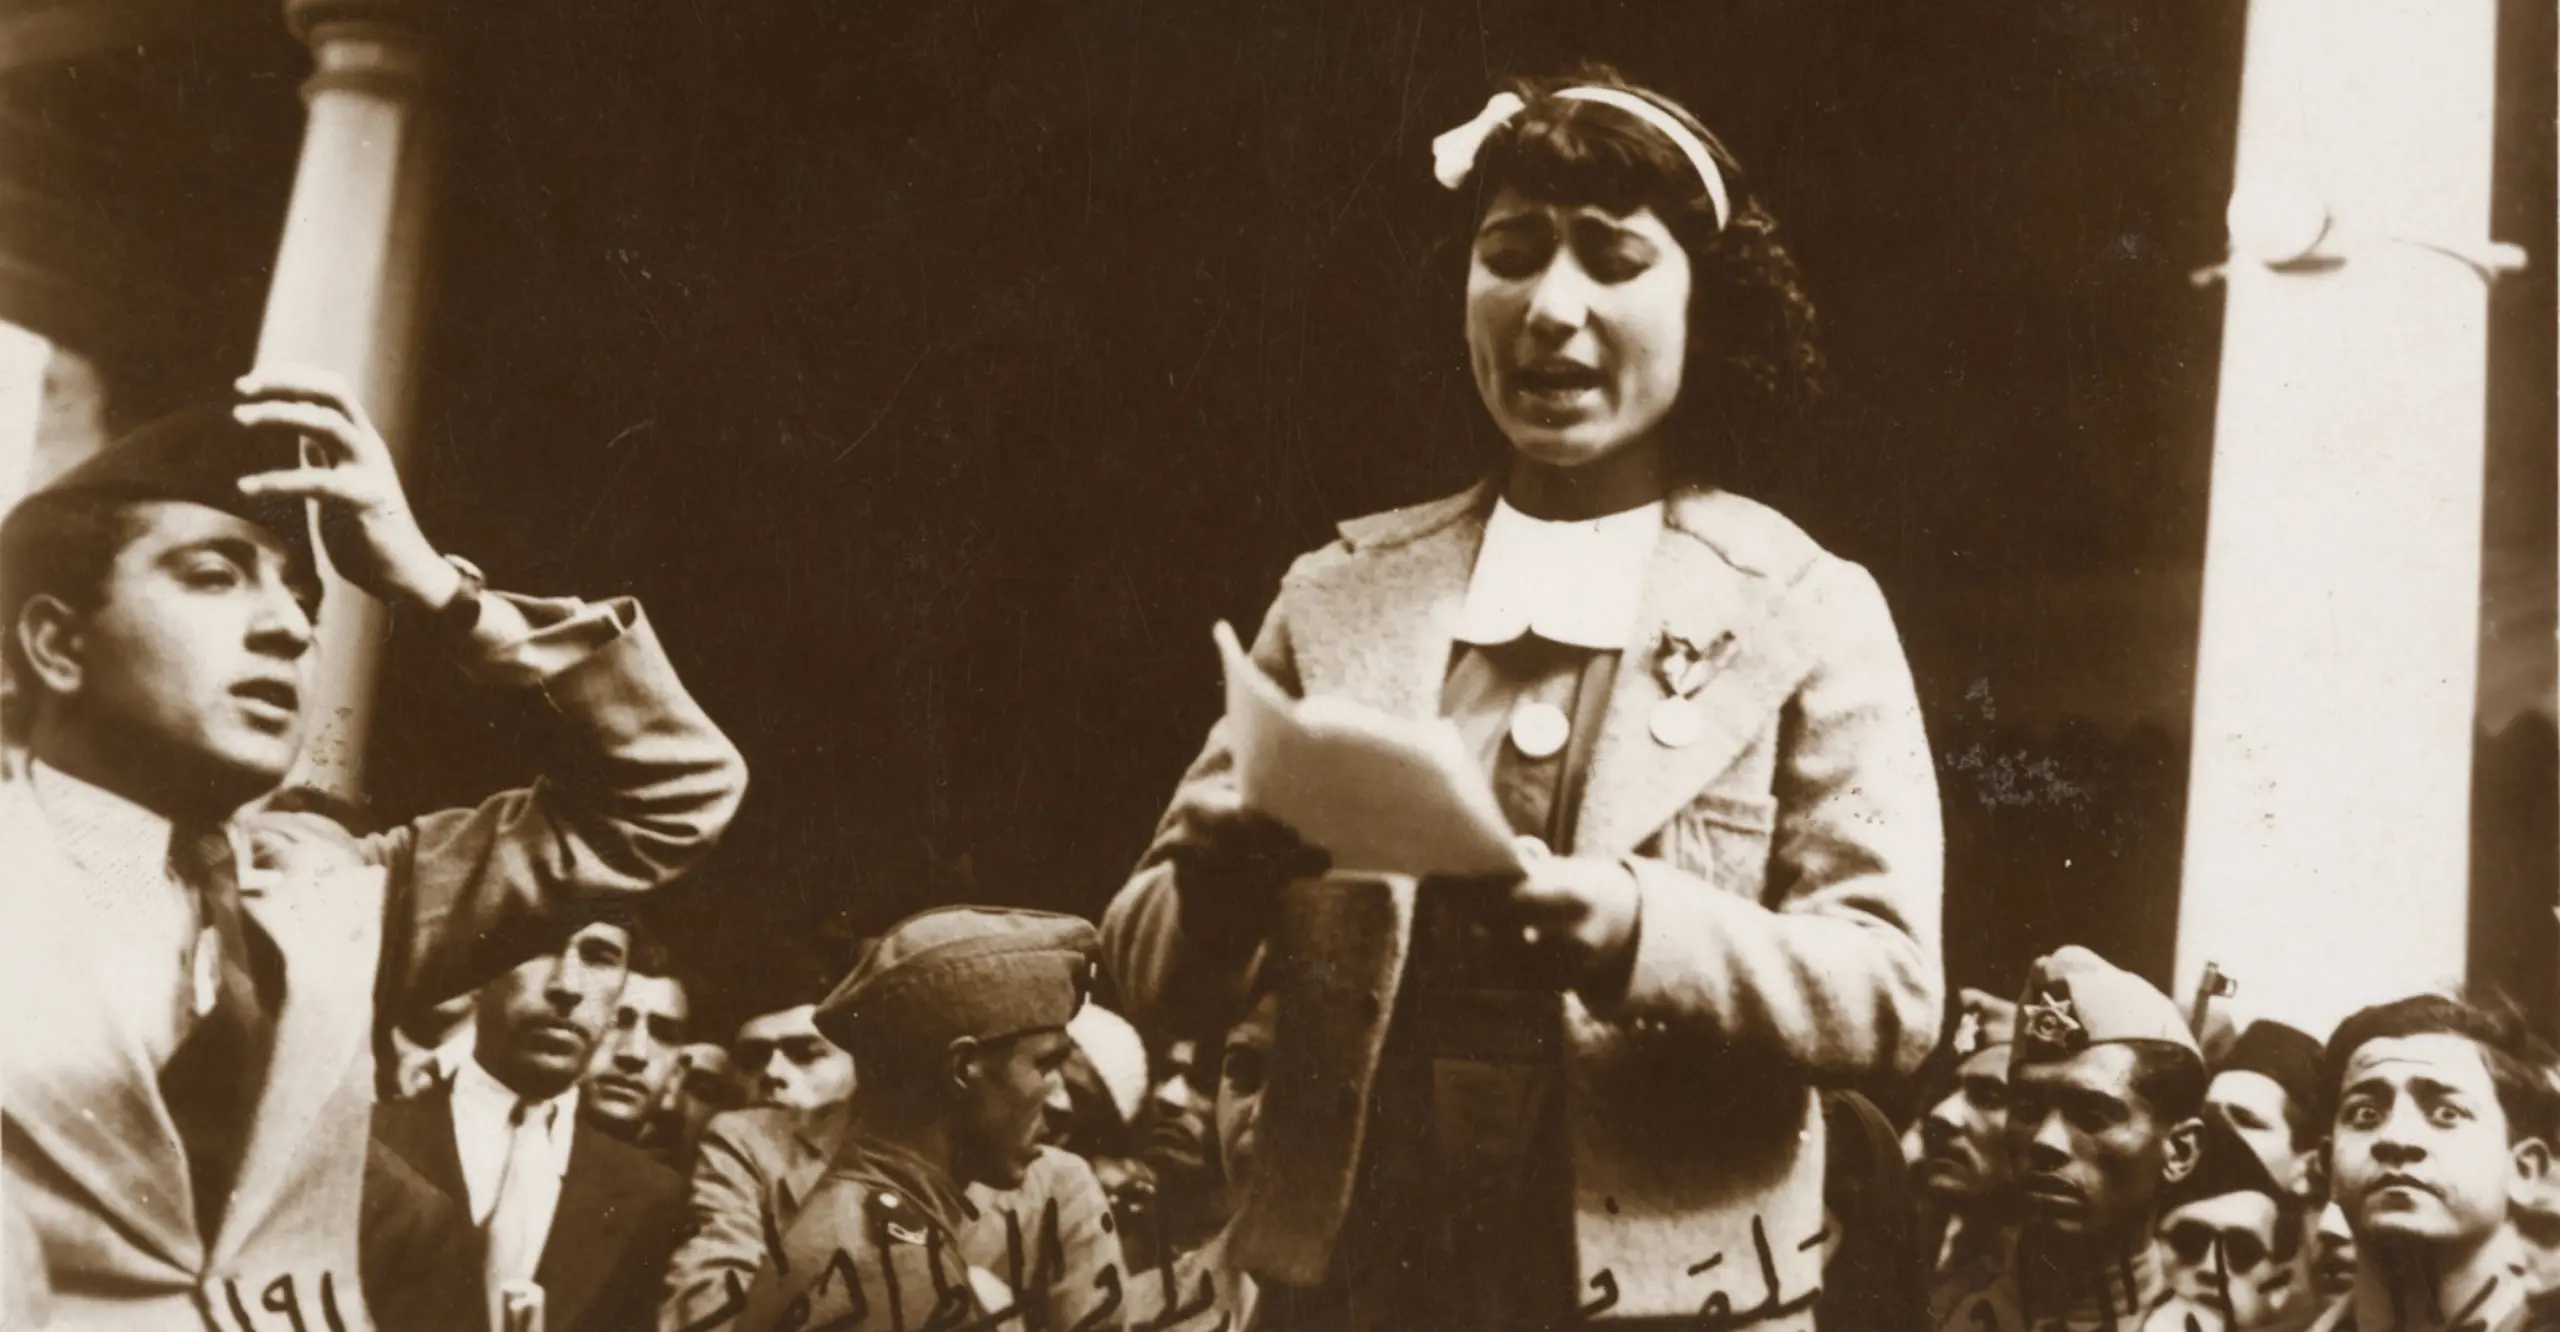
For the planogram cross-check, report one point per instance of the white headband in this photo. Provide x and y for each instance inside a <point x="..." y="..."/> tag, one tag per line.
<point x="1453" y="155"/>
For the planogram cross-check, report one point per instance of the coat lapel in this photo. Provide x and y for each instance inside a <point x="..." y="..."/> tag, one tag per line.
<point x="328" y="926"/>
<point x="1754" y="662"/>
<point x="80" y="1090"/>
<point x="586" y="1231"/>
<point x="1377" y="626"/>
<point x="420" y="1130"/>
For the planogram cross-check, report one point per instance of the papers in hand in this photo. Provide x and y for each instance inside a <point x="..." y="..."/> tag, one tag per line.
<point x="1381" y="794"/>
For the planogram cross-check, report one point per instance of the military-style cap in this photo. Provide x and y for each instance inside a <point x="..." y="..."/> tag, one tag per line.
<point x="2288" y="1057"/>
<point x="1984" y="1021"/>
<point x="197" y="455"/>
<point x="963" y="971"/>
<point x="2075" y="999"/>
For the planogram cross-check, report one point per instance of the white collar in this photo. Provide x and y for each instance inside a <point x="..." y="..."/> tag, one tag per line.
<point x="1580" y="583"/>
<point x="113" y="838"/>
<point x="484" y="1105"/>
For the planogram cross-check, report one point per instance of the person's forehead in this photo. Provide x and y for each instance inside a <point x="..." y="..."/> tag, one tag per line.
<point x="2246" y="1087"/>
<point x="780" y="1025"/>
<point x="660" y="995"/>
<point x="1992" y="1063"/>
<point x="1511" y="206"/>
<point x="156" y="525"/>
<point x="2243" y="1210"/>
<point x="2107" y="1068"/>
<point x="2440" y="1057"/>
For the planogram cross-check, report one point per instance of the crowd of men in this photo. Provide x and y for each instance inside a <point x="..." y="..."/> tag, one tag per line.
<point x="264" y="1073"/>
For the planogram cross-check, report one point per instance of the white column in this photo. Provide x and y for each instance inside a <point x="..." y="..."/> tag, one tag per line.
<point x="345" y="297"/>
<point x="23" y="357"/>
<point x="2328" y="824"/>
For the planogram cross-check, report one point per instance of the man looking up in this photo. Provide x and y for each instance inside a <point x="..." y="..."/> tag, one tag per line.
<point x="2443" y="1124"/>
<point x="188" y="980"/>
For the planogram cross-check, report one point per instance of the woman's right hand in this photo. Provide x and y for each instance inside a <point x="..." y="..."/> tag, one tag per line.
<point x="1232" y="864"/>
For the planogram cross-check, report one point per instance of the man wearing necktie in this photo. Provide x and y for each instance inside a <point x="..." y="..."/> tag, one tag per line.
<point x="190" y="968"/>
<point x="559" y="1204"/>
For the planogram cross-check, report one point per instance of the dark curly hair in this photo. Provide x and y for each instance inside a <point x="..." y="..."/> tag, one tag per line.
<point x="2519" y="1064"/>
<point x="1754" y="361"/>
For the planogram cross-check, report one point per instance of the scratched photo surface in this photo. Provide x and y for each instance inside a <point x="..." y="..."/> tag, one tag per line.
<point x="937" y="375"/>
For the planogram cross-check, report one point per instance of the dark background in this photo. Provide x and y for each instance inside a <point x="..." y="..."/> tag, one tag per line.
<point x="936" y="373"/>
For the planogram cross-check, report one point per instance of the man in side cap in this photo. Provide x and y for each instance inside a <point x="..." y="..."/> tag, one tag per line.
<point x="1967" y="1205"/>
<point x="958" y="1019"/>
<point x="2105" y="1089"/>
<point x="186" y="1130"/>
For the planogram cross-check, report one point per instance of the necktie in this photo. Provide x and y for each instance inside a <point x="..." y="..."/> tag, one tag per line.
<point x="213" y="1080"/>
<point x="516" y="1228"/>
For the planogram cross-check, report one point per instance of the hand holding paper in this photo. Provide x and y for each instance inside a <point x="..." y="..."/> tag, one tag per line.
<point x="1383" y="794"/>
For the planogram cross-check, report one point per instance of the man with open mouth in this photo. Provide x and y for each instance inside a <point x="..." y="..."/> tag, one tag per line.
<point x="2106" y="1089"/>
<point x="192" y="963"/>
<point x="2444" y="1126"/>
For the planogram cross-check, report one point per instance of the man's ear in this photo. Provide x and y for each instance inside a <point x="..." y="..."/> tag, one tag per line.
<point x="960" y="1063"/>
<point x="2532" y="1183"/>
<point x="50" y="635"/>
<point x="2184" y="1148"/>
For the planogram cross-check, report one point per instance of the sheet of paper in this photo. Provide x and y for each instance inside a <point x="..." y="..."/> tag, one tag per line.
<point x="1380" y="793"/>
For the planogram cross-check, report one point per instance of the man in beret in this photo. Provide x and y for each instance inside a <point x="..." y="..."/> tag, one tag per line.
<point x="2231" y="1242"/>
<point x="189" y="973"/>
<point x="2267" y="1088"/>
<point x="2444" y="1125"/>
<point x="957" y="1018"/>
<point x="2106" y="1087"/>
<point x="1967" y="1206"/>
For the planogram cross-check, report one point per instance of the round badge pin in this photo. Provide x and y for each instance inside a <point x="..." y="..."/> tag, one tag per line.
<point x="1538" y="730"/>
<point x="1676" y="723"/>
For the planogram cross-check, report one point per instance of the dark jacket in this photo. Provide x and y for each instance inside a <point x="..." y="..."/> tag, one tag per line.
<point x="620" y="1215"/>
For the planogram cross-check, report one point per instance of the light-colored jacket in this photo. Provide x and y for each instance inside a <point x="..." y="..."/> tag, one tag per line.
<point x="422" y="912"/>
<point x="1788" y="865"/>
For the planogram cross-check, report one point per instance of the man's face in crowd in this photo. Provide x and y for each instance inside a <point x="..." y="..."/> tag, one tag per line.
<point x="1176" y="1114"/>
<point x="636" y="1063"/>
<point x="540" y="1023"/>
<point x="2255" y="1107"/>
<point x="702" y="1087"/>
<point x="194" y="666"/>
<point x="2224" y="1249"/>
<point x="2333" y="1258"/>
<point x="1963" y="1159"/>
<point x="780" y="1059"/>
<point x="1003" y="1113"/>
<point x="2088" y="1152"/>
<point x="2420" y="1151"/>
<point x="1243" y="1070"/>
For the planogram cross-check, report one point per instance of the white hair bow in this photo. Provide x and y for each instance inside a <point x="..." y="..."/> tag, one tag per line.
<point x="1453" y="155"/>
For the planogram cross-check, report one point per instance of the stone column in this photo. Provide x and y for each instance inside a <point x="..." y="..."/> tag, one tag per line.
<point x="2328" y="829"/>
<point x="346" y="294"/>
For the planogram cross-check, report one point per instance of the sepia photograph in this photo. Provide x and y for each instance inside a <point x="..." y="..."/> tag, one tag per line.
<point x="1139" y="666"/>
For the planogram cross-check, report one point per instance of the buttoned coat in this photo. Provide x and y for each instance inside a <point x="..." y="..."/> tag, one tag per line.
<point x="1787" y="862"/>
<point x="427" y="910"/>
